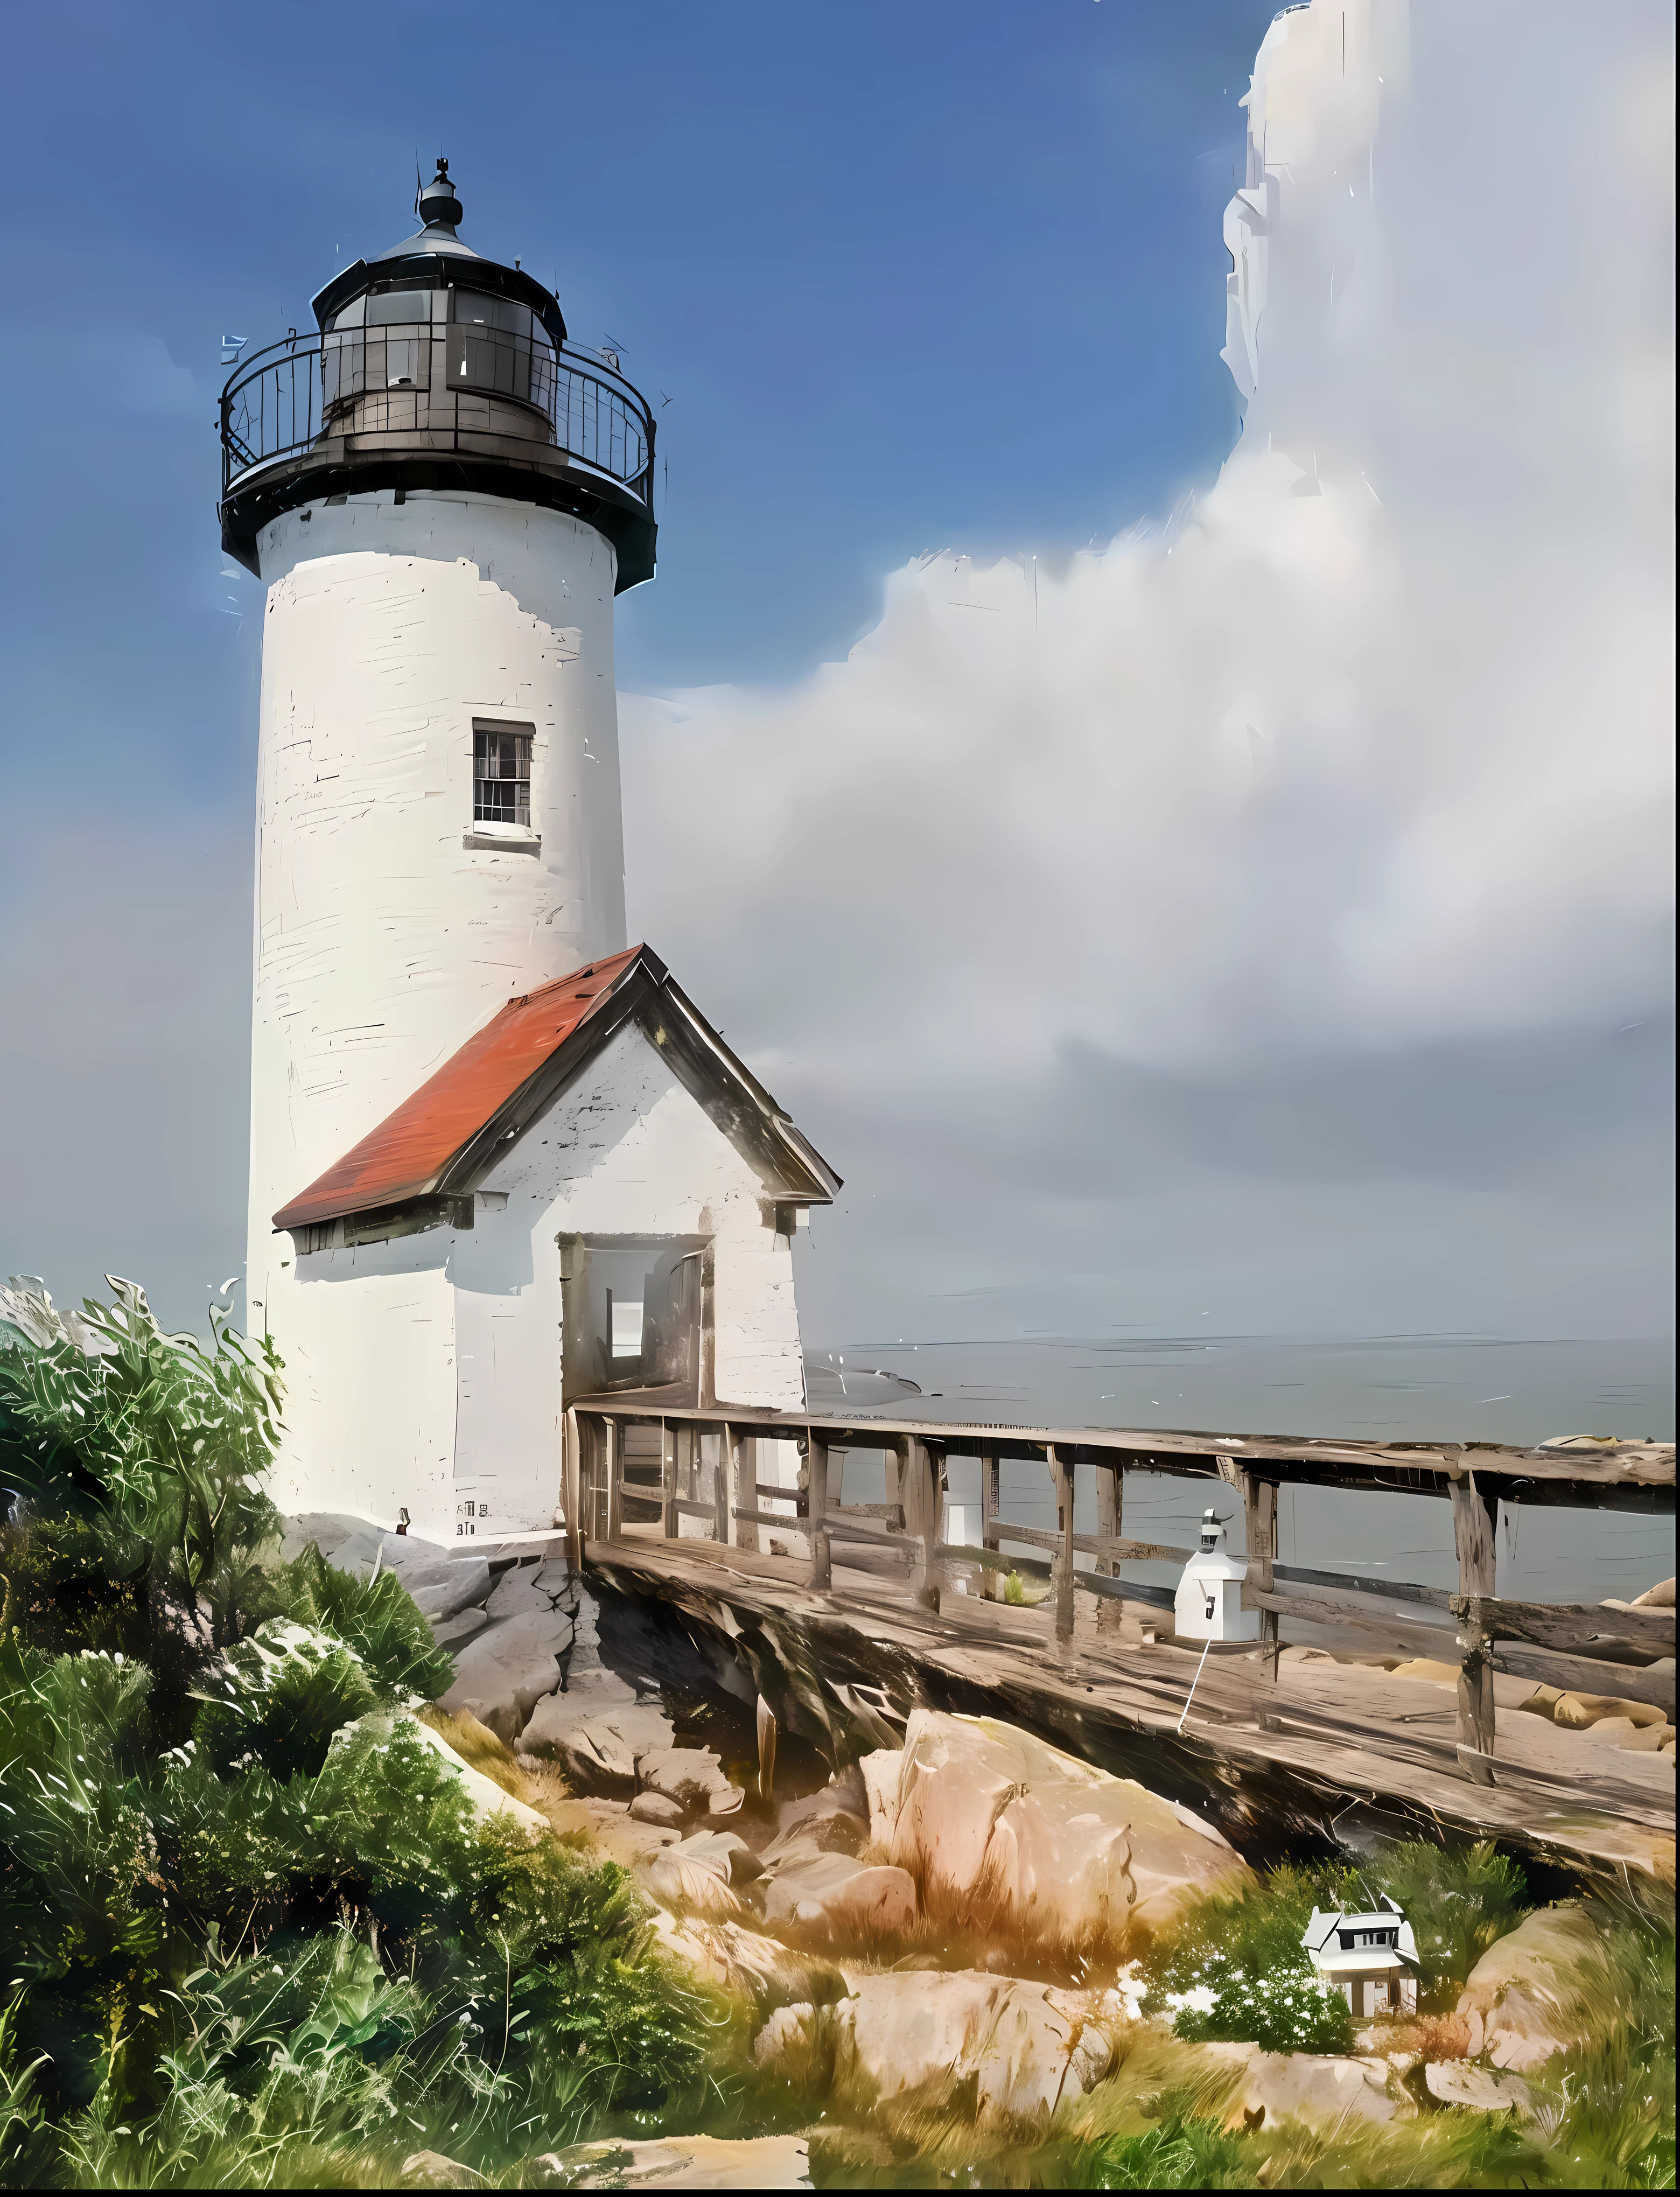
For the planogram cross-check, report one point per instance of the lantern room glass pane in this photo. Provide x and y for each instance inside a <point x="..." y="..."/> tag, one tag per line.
<point x="399" y="305"/>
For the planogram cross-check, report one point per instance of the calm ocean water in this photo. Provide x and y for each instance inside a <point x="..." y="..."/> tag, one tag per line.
<point x="1390" y="1389"/>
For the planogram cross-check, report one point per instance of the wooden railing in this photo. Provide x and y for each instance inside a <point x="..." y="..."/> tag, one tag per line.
<point x="904" y="1535"/>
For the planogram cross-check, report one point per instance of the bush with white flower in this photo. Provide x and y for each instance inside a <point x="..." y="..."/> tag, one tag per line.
<point x="1286" y="2009"/>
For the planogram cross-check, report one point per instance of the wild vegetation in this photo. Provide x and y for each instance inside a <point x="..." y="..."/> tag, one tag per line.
<point x="255" y="1934"/>
<point x="1236" y="1969"/>
<point x="257" y="1937"/>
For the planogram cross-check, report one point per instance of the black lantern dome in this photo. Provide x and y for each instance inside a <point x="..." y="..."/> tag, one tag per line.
<point x="434" y="368"/>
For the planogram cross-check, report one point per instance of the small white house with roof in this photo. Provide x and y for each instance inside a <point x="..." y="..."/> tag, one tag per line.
<point x="593" y="1195"/>
<point x="1369" y="1956"/>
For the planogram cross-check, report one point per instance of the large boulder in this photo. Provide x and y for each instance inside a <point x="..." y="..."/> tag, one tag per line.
<point x="596" y="1743"/>
<point x="739" y="1959"/>
<point x="503" y="1671"/>
<point x="517" y="1592"/>
<point x="1268" y="2087"/>
<point x="674" y="2162"/>
<point x="694" y="1778"/>
<point x="703" y="1875"/>
<point x="1525" y="1999"/>
<point x="1005" y="1835"/>
<point x="1007" y="2049"/>
<point x="1482" y="2090"/>
<point x="441" y="1579"/>
<point x="835" y="1900"/>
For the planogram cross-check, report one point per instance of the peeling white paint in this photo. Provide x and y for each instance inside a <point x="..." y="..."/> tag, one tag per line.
<point x="426" y="1372"/>
<point x="383" y="941"/>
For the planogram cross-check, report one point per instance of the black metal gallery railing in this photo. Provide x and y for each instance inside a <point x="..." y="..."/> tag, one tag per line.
<point x="436" y="381"/>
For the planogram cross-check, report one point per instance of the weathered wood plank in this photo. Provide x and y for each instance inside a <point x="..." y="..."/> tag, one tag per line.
<point x="744" y="1475"/>
<point x="667" y="1469"/>
<point x="848" y="1528"/>
<point x="614" y="1479"/>
<point x="1111" y="1492"/>
<point x="766" y="1518"/>
<point x="816" y="1497"/>
<point x="1061" y="1475"/>
<point x="1426" y="1640"/>
<point x="1585" y="1674"/>
<point x="685" y="1507"/>
<point x="1566" y="1626"/>
<point x="1475" y="1518"/>
<point x="1598" y="1476"/>
<point x="1435" y="1597"/>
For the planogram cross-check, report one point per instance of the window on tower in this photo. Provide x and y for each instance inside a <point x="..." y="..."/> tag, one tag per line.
<point x="501" y="776"/>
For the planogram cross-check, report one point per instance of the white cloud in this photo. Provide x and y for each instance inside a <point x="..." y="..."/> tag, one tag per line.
<point x="1370" y="748"/>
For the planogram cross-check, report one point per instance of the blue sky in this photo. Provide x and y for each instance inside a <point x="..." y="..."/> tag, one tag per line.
<point x="943" y="272"/>
<point x="907" y="274"/>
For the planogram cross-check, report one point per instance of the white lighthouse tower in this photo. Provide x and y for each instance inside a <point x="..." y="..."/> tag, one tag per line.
<point x="443" y="500"/>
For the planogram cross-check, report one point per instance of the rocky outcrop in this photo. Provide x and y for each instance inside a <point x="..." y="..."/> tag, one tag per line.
<point x="1006" y="2050"/>
<point x="508" y="1623"/>
<point x="503" y="1671"/>
<point x="1005" y="1835"/>
<point x="1482" y="2090"/>
<point x="835" y="1899"/>
<point x="676" y="2162"/>
<point x="1268" y="2087"/>
<point x="595" y="1744"/>
<point x="1523" y="2001"/>
<point x="600" y="1726"/>
<point x="704" y="1875"/>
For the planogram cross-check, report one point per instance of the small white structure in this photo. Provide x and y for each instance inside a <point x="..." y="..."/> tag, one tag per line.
<point x="1208" y="1604"/>
<point x="593" y="1195"/>
<point x="1370" y="1957"/>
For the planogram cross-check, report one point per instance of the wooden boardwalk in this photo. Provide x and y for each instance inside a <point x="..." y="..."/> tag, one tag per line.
<point x="1311" y="1751"/>
<point x="869" y="1610"/>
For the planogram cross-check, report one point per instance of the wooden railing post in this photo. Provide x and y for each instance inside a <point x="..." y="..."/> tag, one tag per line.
<point x="688" y="1460"/>
<point x="1474" y="1522"/>
<point x="721" y="1485"/>
<point x="918" y="1487"/>
<point x="991" y="1583"/>
<point x="571" y="1490"/>
<point x="615" y="1481"/>
<point x="1110" y="1510"/>
<point x="1259" y="1528"/>
<point x="1062" y="1477"/>
<point x="816" y="1506"/>
<point x="745" y="1478"/>
<point x="892" y="1465"/>
<point x="667" y="1486"/>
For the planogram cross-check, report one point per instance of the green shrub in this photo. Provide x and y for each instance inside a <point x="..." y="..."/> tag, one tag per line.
<point x="1458" y="1901"/>
<point x="375" y="1617"/>
<point x="277" y="1699"/>
<point x="136" y="1459"/>
<point x="1285" y="2009"/>
<point x="1181" y="2154"/>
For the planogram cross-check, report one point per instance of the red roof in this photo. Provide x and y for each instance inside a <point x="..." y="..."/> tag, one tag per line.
<point x="404" y="1156"/>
